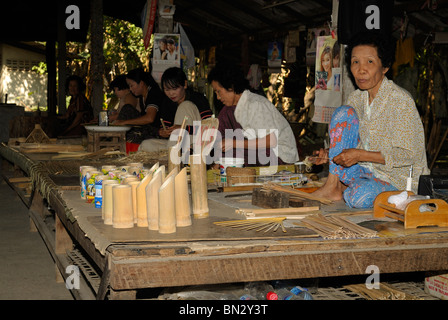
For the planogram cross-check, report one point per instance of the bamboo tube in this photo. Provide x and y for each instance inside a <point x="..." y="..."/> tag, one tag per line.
<point x="198" y="175"/>
<point x="172" y="173"/>
<point x="128" y="179"/>
<point x="142" y="212"/>
<point x="173" y="158"/>
<point x="123" y="216"/>
<point x="167" y="213"/>
<point x="183" y="211"/>
<point x="134" y="185"/>
<point x="108" y="205"/>
<point x="152" y="199"/>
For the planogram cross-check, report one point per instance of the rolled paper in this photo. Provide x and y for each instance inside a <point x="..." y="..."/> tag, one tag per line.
<point x="198" y="176"/>
<point x="135" y="171"/>
<point x="134" y="185"/>
<point x="183" y="210"/>
<point x="128" y="179"/>
<point x="108" y="205"/>
<point x="98" y="200"/>
<point x="83" y="179"/>
<point x="90" y="185"/>
<point x="152" y="198"/>
<point x="167" y="212"/>
<point x="124" y="168"/>
<point x="107" y="168"/>
<point x="135" y="164"/>
<point x="122" y="216"/>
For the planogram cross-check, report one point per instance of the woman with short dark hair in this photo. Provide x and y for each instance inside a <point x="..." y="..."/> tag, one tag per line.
<point x="377" y="138"/>
<point x="79" y="110"/>
<point x="265" y="132"/>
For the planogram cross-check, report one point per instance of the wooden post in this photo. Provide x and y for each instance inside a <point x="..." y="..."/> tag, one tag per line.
<point x="62" y="58"/>
<point x="122" y="217"/>
<point x="183" y="210"/>
<point x="198" y="174"/>
<point x="167" y="212"/>
<point x="97" y="62"/>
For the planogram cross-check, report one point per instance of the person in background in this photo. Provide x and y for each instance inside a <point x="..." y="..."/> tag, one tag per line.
<point x="152" y="105"/>
<point x="377" y="137"/>
<point x="263" y="127"/>
<point x="79" y="111"/>
<point x="191" y="106"/>
<point x="126" y="108"/>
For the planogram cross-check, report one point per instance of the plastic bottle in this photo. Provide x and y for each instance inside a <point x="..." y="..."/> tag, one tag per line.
<point x="302" y="293"/>
<point x="261" y="291"/>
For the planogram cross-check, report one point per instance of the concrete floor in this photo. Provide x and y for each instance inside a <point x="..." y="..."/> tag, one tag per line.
<point x="27" y="271"/>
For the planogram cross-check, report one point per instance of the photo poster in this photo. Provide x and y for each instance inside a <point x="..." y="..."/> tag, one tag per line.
<point x="166" y="54"/>
<point x="275" y="54"/>
<point x="311" y="40"/>
<point x="328" y="78"/>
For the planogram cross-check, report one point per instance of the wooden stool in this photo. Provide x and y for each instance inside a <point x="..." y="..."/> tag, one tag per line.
<point x="97" y="140"/>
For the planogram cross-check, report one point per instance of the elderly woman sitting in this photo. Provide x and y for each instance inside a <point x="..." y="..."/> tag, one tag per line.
<point x="378" y="136"/>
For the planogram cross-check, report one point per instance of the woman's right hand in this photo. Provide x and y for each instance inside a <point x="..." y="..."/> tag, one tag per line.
<point x="320" y="156"/>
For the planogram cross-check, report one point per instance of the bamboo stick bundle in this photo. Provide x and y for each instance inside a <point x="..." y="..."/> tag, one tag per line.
<point x="261" y="224"/>
<point x="334" y="227"/>
<point x="385" y="292"/>
<point x="297" y="193"/>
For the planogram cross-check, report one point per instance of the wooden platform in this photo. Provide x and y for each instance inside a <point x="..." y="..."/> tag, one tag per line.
<point x="119" y="264"/>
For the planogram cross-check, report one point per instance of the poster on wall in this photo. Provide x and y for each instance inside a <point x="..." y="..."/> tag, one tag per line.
<point x="311" y="40"/>
<point x="328" y="79"/>
<point x="275" y="54"/>
<point x="165" y="53"/>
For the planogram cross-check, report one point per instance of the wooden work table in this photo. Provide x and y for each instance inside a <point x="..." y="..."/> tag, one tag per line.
<point x="122" y="262"/>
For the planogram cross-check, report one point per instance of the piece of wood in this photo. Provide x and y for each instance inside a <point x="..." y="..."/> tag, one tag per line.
<point x="183" y="210"/>
<point x="142" y="211"/>
<point x="152" y="198"/>
<point x="240" y="175"/>
<point x="108" y="205"/>
<point x="269" y="198"/>
<point x="277" y="211"/>
<point x="198" y="176"/>
<point x="167" y="212"/>
<point x="49" y="148"/>
<point x="123" y="216"/>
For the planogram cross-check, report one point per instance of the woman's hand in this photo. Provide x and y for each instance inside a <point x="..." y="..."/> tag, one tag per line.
<point x="348" y="157"/>
<point x="119" y="122"/>
<point x="320" y="156"/>
<point x="227" y="144"/>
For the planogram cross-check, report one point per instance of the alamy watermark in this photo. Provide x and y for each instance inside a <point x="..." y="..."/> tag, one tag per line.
<point x="73" y="279"/>
<point x="373" y="281"/>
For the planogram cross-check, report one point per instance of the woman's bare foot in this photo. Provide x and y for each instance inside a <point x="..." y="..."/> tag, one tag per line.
<point x="332" y="189"/>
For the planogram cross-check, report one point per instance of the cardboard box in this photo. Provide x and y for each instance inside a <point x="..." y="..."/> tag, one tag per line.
<point x="437" y="286"/>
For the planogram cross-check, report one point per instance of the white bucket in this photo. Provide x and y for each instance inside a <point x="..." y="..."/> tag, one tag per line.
<point x="224" y="163"/>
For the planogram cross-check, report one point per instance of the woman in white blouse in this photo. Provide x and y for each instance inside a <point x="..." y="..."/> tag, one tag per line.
<point x="378" y="136"/>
